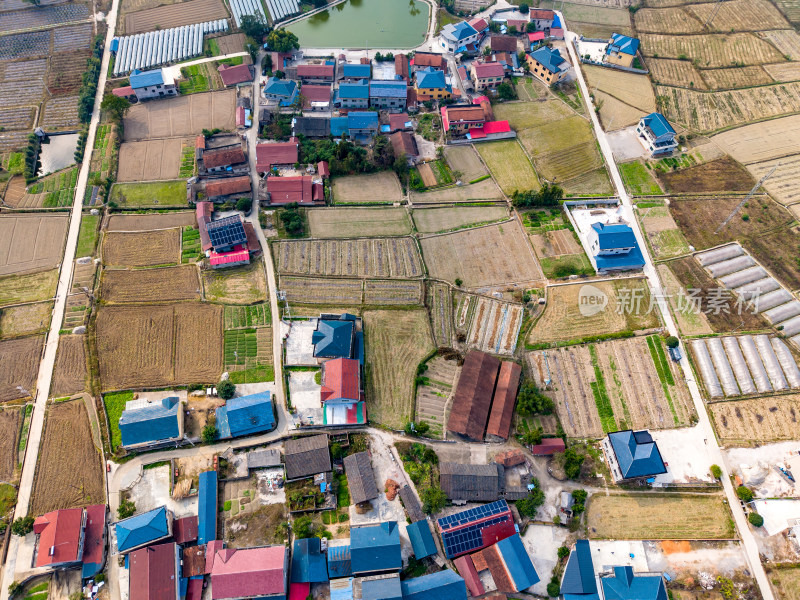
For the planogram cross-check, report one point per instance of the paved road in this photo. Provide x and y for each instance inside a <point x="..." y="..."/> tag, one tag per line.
<point x="705" y="432"/>
<point x="62" y="291"/>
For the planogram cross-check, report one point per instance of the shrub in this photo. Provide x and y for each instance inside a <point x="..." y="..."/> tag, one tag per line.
<point x="528" y="506"/>
<point x="716" y="472"/>
<point x="209" y="433"/>
<point x="244" y="204"/>
<point x="573" y="460"/>
<point x="126" y="509"/>
<point x="303" y="527"/>
<point x="459" y="282"/>
<point x="745" y="493"/>
<point x="672" y="342"/>
<point x="755" y="519"/>
<point x="226" y="389"/>
<point x="563" y="552"/>
<point x="22" y="526"/>
<point x="433" y="499"/>
<point x="14" y="589"/>
<point x="553" y="589"/>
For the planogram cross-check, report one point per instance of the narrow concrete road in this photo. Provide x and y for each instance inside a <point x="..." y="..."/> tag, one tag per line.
<point x="705" y="431"/>
<point x="62" y="291"/>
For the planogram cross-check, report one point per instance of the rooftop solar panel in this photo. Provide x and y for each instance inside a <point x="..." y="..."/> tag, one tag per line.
<point x="228" y="231"/>
<point x="468" y="538"/>
<point x="472" y="514"/>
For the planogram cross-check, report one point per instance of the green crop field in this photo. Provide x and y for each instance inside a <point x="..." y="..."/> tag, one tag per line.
<point x="87" y="239"/>
<point x="247" y="316"/>
<point x="509" y="166"/>
<point x="240" y="344"/>
<point x="114" y="403"/>
<point x="638" y="180"/>
<point x="190" y="245"/>
<point x="158" y="193"/>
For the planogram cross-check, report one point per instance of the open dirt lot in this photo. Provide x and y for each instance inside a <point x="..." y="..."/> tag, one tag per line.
<point x="656" y="517"/>
<point x="174" y="15"/>
<point x="147" y="222"/>
<point x="358" y="222"/>
<point x="689" y="321"/>
<point x="28" y="287"/>
<point x="396" y="342"/>
<point x="238" y="285"/>
<point x="511" y="169"/>
<point x="10" y="423"/>
<point x="435" y="220"/>
<point x="477" y="192"/>
<point x="560" y="242"/>
<point x="762" y="141"/>
<point x="228" y="44"/>
<point x="148" y="346"/>
<point x="376" y="257"/>
<point x="465" y="160"/>
<point x="383" y="187"/>
<point x="181" y="116"/>
<point x="759" y="420"/>
<point x="562" y="319"/>
<point x="494" y="255"/>
<point x="25" y="319"/>
<point x="69" y="376"/>
<point x="151" y="160"/>
<point x="68" y="473"/>
<point x="30" y="242"/>
<point x="142" y="249"/>
<point x="20" y="360"/>
<point x="166" y="284"/>
<point x="721" y="175"/>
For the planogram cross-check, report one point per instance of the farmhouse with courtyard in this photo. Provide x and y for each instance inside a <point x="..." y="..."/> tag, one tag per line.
<point x="621" y="50"/>
<point x="144" y="424"/>
<point x="656" y="134"/>
<point x="633" y="455"/>
<point x="614" y="247"/>
<point x="72" y="538"/>
<point x="548" y="65"/>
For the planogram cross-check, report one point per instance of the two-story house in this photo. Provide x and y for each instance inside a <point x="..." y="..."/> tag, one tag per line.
<point x="548" y="65"/>
<point x="455" y="37"/>
<point x="614" y="247"/>
<point x="388" y="95"/>
<point x="487" y="75"/>
<point x="621" y="50"/>
<point x="153" y="84"/>
<point x="352" y="95"/>
<point x="431" y="84"/>
<point x="656" y="134"/>
<point x="282" y="91"/>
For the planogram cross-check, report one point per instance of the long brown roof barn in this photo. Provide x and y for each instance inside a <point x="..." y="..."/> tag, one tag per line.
<point x="473" y="397"/>
<point x="360" y="477"/>
<point x="471" y="483"/>
<point x="307" y="456"/>
<point x="505" y="394"/>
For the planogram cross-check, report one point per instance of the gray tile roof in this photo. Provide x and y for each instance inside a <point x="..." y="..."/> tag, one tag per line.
<point x="476" y="483"/>
<point x="360" y="477"/>
<point x="307" y="456"/>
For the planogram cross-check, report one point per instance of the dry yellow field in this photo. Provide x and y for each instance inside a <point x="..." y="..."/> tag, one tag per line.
<point x="762" y="141"/>
<point x="712" y="50"/>
<point x="681" y="73"/>
<point x="745" y="422"/>
<point x="786" y="583"/>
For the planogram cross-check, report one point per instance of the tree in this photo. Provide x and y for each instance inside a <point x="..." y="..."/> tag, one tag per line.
<point x="563" y="552"/>
<point x="547" y="195"/>
<point x="745" y="493"/>
<point x="383" y="152"/>
<point x="244" y="204"/>
<point x="524" y="8"/>
<point x="532" y="437"/>
<point x="459" y="282"/>
<point x="573" y="460"/>
<point x="292" y="220"/>
<point x="530" y="401"/>
<point x="282" y="40"/>
<point x="252" y="50"/>
<point x="126" y="509"/>
<point x="115" y="106"/>
<point x="716" y="472"/>
<point x="553" y="588"/>
<point x="336" y="451"/>
<point x="226" y="389"/>
<point x="672" y="342"/>
<point x="22" y="526"/>
<point x="506" y="91"/>
<point x="530" y="27"/>
<point x="14" y="589"/>
<point x="579" y="496"/>
<point x="433" y="499"/>
<point x="755" y="519"/>
<point x="303" y="527"/>
<point x="254" y="26"/>
<point x="209" y="433"/>
<point x="528" y="506"/>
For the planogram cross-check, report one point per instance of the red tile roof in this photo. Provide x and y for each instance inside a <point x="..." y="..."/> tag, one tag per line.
<point x="185" y="530"/>
<point x="492" y="69"/>
<point x="241" y="116"/>
<point x="123" y="92"/>
<point x="473" y="395"/>
<point x="223" y="157"/>
<point x="281" y="153"/>
<point x="398" y="122"/>
<point x="323" y="169"/>
<point x="510" y="458"/>
<point x="318" y="192"/>
<point x="239" y="254"/>
<point x="401" y="65"/>
<point x="248" y="572"/>
<point x="489" y="128"/>
<point x="152" y="573"/>
<point x="253" y="244"/>
<point x="461" y="114"/>
<point x="194" y="561"/>
<point x="497" y="568"/>
<point x="504" y="43"/>
<point x="200" y="142"/>
<point x="541" y="14"/>
<point x="505" y="394"/>
<point x="194" y="591"/>
<point x="429" y="59"/>
<point x="536" y="36"/>
<point x="315" y="71"/>
<point x="203" y="213"/>
<point x="59" y="536"/>
<point x="518" y="23"/>
<point x="467" y="570"/>
<point x="548" y="447"/>
<point x="94" y="535"/>
<point x="232" y="75"/>
<point x="478" y="24"/>
<point x="341" y="380"/>
<point x="315" y="93"/>
<point x="285" y="190"/>
<point x="227" y="186"/>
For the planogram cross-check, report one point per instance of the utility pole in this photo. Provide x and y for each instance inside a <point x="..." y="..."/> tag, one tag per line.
<point x="746" y="198"/>
<point x="713" y="14"/>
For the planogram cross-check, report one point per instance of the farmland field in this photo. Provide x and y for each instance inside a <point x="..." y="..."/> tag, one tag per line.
<point x="25" y="319"/>
<point x="689" y="321"/>
<point x="351" y="292"/>
<point x="510" y="167"/>
<point x="776" y="251"/>
<point x="10" y="423"/>
<point x="383" y="187"/>
<point x="358" y="222"/>
<point x="784" y="71"/>
<point x="784" y="183"/>
<point x="29" y="242"/>
<point x="245" y="284"/>
<point x="159" y="345"/>
<point x="441" y="376"/>
<point x="151" y="159"/>
<point x="591" y="20"/>
<point x="655" y="517"/>
<point x="141" y="249"/>
<point x="758" y="420"/>
<point x="68" y="473"/>
<point x="181" y="116"/>
<point x="376" y="257"/>
<point x="32" y="287"/>
<point x="396" y="342"/>
<point x="662" y="232"/>
<point x="762" y="141"/>
<point x="712" y="50"/>
<point x="465" y="160"/>
<point x="785" y="40"/>
<point x="787" y="580"/>
<point x="42" y="16"/>
<point x="740" y="15"/>
<point x="166" y="284"/>
<point x="680" y="73"/>
<point x="147" y="222"/>
<point x="524" y="115"/>
<point x="434" y="220"/>
<point x="562" y="319"/>
<point x="20" y="359"/>
<point x="439" y="301"/>
<point x="736" y="77"/>
<point x="638" y="180"/>
<point x="69" y="375"/>
<point x="483" y="257"/>
<point x="60" y="113"/>
<point x="589" y="184"/>
<point x="721" y="175"/>
<point x="477" y="192"/>
<point x="64" y="74"/>
<point x="666" y="20"/>
<point x="628" y="88"/>
<point x="160" y="193"/>
<point x="174" y="15"/>
<point x="491" y="325"/>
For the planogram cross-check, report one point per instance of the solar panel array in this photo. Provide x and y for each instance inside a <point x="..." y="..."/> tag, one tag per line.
<point x="469" y="538"/>
<point x="226" y="232"/>
<point x="472" y="514"/>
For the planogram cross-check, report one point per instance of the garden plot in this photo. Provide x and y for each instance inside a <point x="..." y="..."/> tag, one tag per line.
<point x="482" y="191"/>
<point x="309" y="290"/>
<point x="69" y="374"/>
<point x="181" y="116"/>
<point x="375" y="188"/>
<point x="174" y="15"/>
<point x="60" y="112"/>
<point x="29" y="242"/>
<point x="440" y="220"/>
<point x="440" y="303"/>
<point x="358" y="222"/>
<point x="439" y="379"/>
<point x="756" y="420"/>
<point x="494" y="326"/>
<point x="494" y="255"/>
<point x="64" y="77"/>
<point x="464" y="160"/>
<point x="524" y="115"/>
<point x="560" y="254"/>
<point x="151" y="160"/>
<point x="380" y="292"/>
<point x="20" y="358"/>
<point x="510" y="167"/>
<point x="666" y="240"/>
<point x="159" y="345"/>
<point x="592" y="20"/>
<point x="42" y="16"/>
<point x="141" y="249"/>
<point x="680" y="73"/>
<point x="762" y="141"/>
<point x="721" y="175"/>
<point x="245" y="284"/>
<point x="378" y="257"/>
<point x="25" y="319"/>
<point x="784" y="183"/>
<point x="25" y="45"/>
<point x="22" y="84"/>
<point x="712" y="50"/>
<point x="166" y="284"/>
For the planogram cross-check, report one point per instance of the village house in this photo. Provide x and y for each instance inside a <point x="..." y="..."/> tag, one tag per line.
<point x="401" y="66"/>
<point x="274" y="155"/>
<point x="430" y="84"/>
<point x="375" y="549"/>
<point x="473" y="396"/>
<point x="362" y="126"/>
<point x="352" y="95"/>
<point x="422" y="543"/>
<point x="404" y="144"/>
<point x="547" y="65"/>
<point x="479" y="24"/>
<point x="236" y="74"/>
<point x="309" y="564"/>
<point x="220" y="190"/>
<point x="338" y="336"/>
<point x="459" y="120"/>
<point x="145" y="85"/>
<point x="656" y="134"/>
<point x="154" y="573"/>
<point x="220" y="160"/>
<point x="72" y="538"/>
<point x="245" y="415"/>
<point x="491" y="522"/>
<point x="455" y="37"/>
<point x="316" y="73"/>
<point x="621" y="50"/>
<point x="399" y="122"/>
<point x="535" y="39"/>
<point x="423" y="60"/>
<point x="238" y="573"/>
<point x="632" y="455"/>
<point x="356" y="72"/>
<point x="316" y="97"/>
<point x="614" y="247"/>
<point x="143" y="530"/>
<point x="341" y="393"/>
<point x="542" y="19"/>
<point x="206" y="507"/>
<point x="487" y="75"/>
<point x="282" y="91"/>
<point x="471" y="483"/>
<point x="360" y="478"/>
<point x="306" y="457"/>
<point x="229" y="242"/>
<point x="505" y="395"/>
<point x="146" y="424"/>
<point x="388" y="95"/>
<point x="311" y="127"/>
<point x="301" y="189"/>
<point x="504" y="566"/>
<point x="503" y="43"/>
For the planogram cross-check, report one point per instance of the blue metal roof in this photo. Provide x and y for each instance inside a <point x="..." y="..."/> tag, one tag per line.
<point x="443" y="585"/>
<point x="615" y="235"/>
<point x="550" y="59"/>
<point x="338" y="126"/>
<point x="280" y="87"/>
<point x="387" y="89"/>
<point x="375" y="548"/>
<point x="430" y="78"/>
<point x="142" y="529"/>
<point x="354" y="91"/>
<point x="624" y="585"/>
<point x="658" y="124"/>
<point x="333" y="338"/>
<point x="339" y="562"/>
<point x="421" y="539"/>
<point x="308" y="562"/>
<point x="362" y="120"/>
<point x="207" y="508"/>
<point x="518" y="562"/>
<point x="578" y="577"/>
<point x="623" y="44"/>
<point x="358" y="352"/>
<point x="140" y="79"/>
<point x="358" y="70"/>
<point x="382" y="589"/>
<point x="459" y="31"/>
<point x="150" y="424"/>
<point x="245" y="416"/>
<point x="637" y="454"/>
<point x="344" y="592"/>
